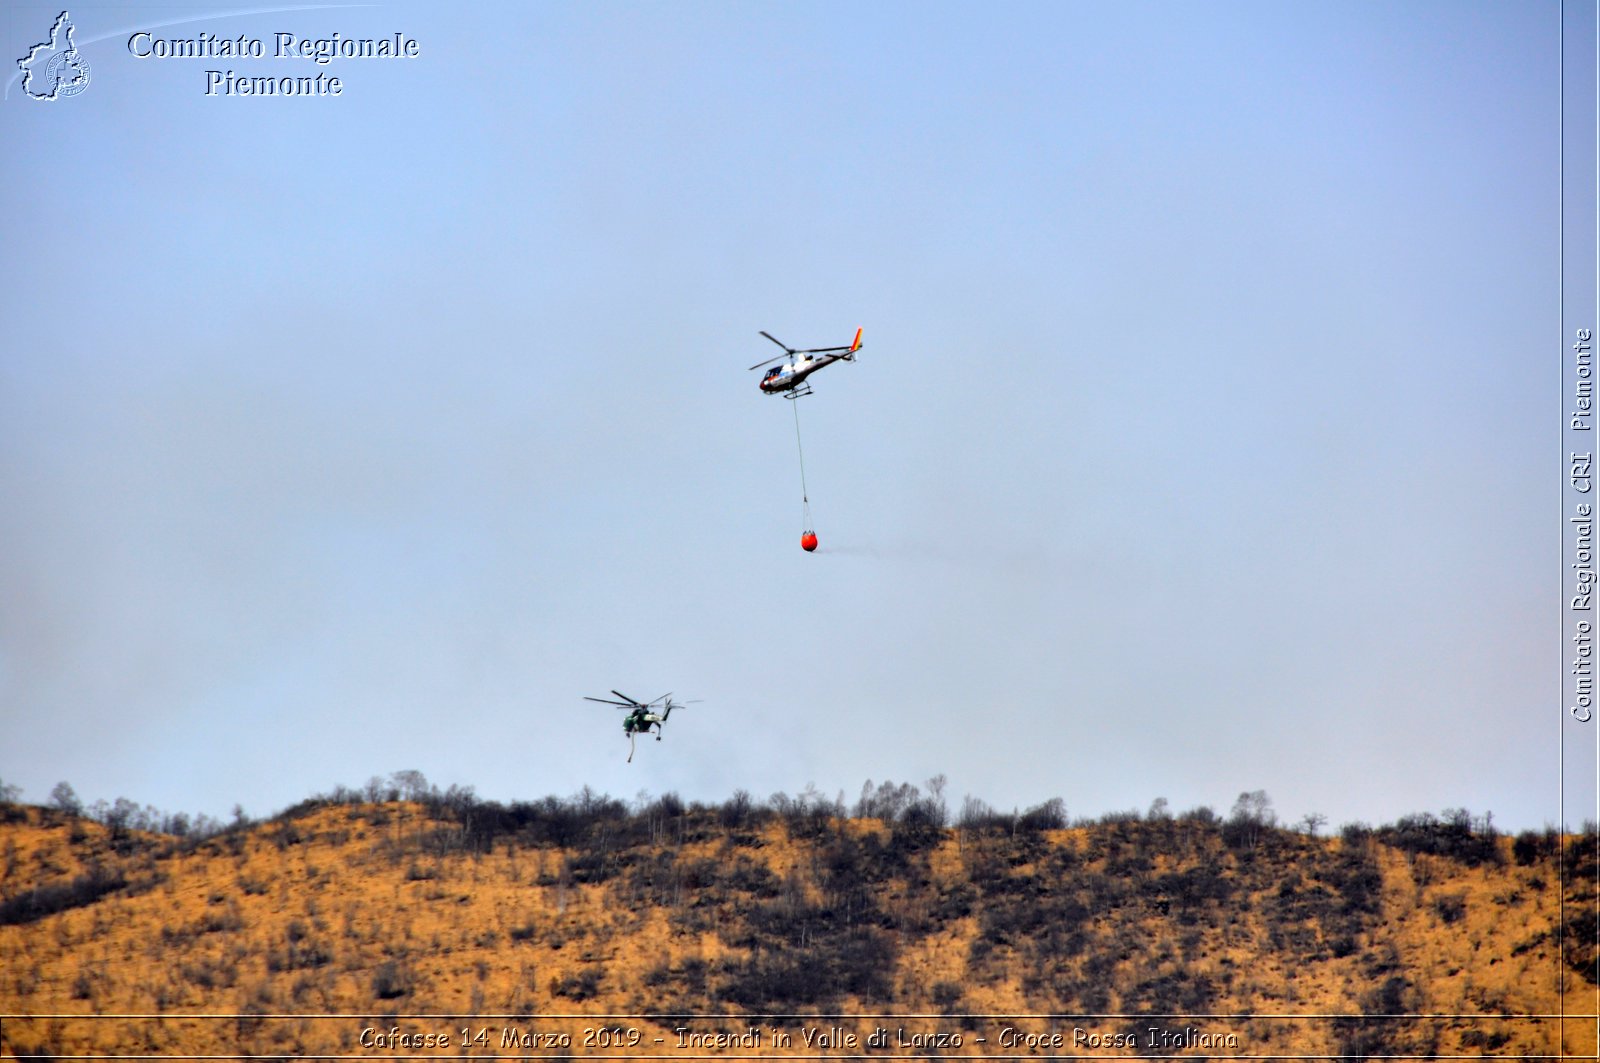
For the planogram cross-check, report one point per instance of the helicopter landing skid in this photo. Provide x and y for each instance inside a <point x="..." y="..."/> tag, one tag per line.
<point x="798" y="393"/>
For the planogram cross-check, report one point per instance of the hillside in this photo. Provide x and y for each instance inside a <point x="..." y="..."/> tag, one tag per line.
<point x="744" y="924"/>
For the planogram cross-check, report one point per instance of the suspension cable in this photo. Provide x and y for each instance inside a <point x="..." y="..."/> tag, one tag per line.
<point x="805" y="500"/>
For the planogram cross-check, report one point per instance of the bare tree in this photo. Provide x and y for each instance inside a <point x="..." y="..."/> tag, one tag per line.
<point x="976" y="813"/>
<point x="412" y="784"/>
<point x="1251" y="815"/>
<point x="119" y="817"/>
<point x="936" y="801"/>
<point x="65" y="798"/>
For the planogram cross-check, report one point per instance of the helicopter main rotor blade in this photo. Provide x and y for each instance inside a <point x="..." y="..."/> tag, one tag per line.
<point x="607" y="701"/>
<point x="630" y="701"/>
<point x="776" y="340"/>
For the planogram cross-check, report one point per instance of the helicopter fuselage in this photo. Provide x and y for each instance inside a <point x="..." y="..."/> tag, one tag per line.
<point x="640" y="721"/>
<point x="781" y="378"/>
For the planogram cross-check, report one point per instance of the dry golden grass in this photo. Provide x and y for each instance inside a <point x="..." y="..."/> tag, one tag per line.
<point x="294" y="936"/>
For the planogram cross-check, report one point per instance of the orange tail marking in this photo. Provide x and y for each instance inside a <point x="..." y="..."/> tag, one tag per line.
<point x="855" y="344"/>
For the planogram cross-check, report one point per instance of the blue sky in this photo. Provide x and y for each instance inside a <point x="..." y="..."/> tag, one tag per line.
<point x="1202" y="441"/>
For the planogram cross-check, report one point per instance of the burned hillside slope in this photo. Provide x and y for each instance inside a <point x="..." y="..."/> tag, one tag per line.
<point x="1430" y="936"/>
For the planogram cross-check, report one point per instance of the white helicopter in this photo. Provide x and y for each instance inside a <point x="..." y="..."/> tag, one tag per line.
<point x="789" y="379"/>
